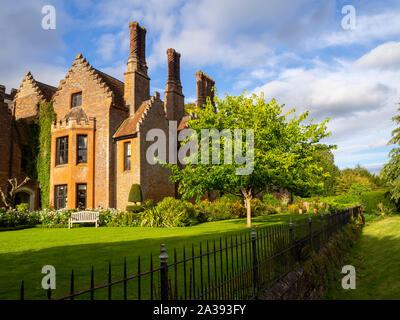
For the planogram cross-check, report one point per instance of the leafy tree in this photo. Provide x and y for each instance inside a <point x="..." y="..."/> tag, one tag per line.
<point x="391" y="170"/>
<point x="326" y="160"/>
<point x="358" y="177"/>
<point x="348" y="178"/>
<point x="282" y="154"/>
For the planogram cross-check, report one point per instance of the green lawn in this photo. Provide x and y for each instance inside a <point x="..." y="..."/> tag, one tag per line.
<point x="376" y="258"/>
<point x="23" y="253"/>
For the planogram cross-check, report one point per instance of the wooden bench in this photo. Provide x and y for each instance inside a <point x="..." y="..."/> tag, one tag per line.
<point x="84" y="217"/>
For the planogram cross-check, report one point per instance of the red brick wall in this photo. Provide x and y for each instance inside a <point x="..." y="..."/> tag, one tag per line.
<point x="96" y="102"/>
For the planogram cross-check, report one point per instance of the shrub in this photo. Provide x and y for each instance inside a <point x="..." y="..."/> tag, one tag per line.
<point x="168" y="213"/>
<point x="217" y="210"/>
<point x="259" y="208"/>
<point x="135" y="208"/>
<point x="122" y="219"/>
<point x="135" y="194"/>
<point x="271" y="199"/>
<point x="22" y="207"/>
<point x="14" y="218"/>
<point x="376" y="202"/>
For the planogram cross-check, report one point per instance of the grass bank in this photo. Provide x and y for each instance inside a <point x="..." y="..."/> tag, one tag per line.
<point x="376" y="258"/>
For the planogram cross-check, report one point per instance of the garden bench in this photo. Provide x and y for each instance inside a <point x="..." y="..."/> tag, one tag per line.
<point x="83" y="217"/>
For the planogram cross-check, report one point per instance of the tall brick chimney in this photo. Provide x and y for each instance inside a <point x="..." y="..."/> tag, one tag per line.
<point x="204" y="89"/>
<point x="174" y="98"/>
<point x="137" y="82"/>
<point x="2" y="96"/>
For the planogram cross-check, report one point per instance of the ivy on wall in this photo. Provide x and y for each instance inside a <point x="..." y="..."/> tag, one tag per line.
<point x="29" y="145"/>
<point x="46" y="117"/>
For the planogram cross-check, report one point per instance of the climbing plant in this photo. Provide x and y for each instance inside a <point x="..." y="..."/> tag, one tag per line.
<point x="28" y="141"/>
<point x="46" y="117"/>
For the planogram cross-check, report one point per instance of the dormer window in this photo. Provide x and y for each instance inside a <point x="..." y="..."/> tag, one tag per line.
<point x="76" y="99"/>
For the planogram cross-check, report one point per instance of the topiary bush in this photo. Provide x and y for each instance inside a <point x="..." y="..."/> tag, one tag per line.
<point x="135" y="194"/>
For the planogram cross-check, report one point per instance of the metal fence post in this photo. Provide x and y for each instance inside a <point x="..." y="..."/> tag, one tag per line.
<point x="311" y="233"/>
<point x="291" y="239"/>
<point x="164" y="272"/>
<point x="322" y="228"/>
<point x="255" y="263"/>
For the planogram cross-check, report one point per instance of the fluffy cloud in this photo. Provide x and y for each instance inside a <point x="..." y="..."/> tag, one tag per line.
<point x="385" y="56"/>
<point x="360" y="101"/>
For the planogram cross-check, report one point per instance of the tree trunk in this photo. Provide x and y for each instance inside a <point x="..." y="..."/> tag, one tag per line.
<point x="247" y="200"/>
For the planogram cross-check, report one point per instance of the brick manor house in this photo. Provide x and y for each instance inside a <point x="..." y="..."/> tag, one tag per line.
<point x="98" y="141"/>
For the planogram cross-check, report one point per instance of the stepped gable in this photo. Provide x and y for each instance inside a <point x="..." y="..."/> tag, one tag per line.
<point x="132" y="124"/>
<point x="44" y="91"/>
<point x="111" y="85"/>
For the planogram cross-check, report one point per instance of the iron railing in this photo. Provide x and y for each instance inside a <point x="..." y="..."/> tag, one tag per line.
<point x="234" y="267"/>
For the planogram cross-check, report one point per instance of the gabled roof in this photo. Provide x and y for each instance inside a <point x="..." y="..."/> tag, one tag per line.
<point x="110" y="84"/>
<point x="44" y="91"/>
<point x="131" y="125"/>
<point x="116" y="86"/>
<point x="47" y="90"/>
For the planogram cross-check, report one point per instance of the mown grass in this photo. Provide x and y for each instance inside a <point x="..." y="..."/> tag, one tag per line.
<point x="23" y="253"/>
<point x="376" y="258"/>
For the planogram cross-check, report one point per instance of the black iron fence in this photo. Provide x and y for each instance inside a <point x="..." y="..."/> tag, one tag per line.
<point x="234" y="267"/>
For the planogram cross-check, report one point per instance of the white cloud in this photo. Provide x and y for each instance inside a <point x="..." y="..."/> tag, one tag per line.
<point x="369" y="27"/>
<point x="360" y="102"/>
<point x="385" y="56"/>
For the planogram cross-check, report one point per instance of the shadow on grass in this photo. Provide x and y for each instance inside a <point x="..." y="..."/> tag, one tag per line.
<point x="376" y="258"/>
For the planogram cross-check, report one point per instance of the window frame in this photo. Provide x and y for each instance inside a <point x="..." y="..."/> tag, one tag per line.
<point x="78" y="149"/>
<point x="77" y="196"/>
<point x="64" y="197"/>
<point x="127" y="157"/>
<point x="64" y="151"/>
<point x="73" y="95"/>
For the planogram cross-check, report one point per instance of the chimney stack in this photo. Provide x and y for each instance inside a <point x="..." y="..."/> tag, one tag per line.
<point x="2" y="95"/>
<point x="204" y="89"/>
<point x="174" y="98"/>
<point x="137" y="82"/>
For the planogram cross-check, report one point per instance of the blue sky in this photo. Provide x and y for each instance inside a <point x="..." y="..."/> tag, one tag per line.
<point x="297" y="53"/>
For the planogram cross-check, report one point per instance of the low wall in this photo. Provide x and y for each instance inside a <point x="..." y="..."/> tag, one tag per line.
<point x="308" y="282"/>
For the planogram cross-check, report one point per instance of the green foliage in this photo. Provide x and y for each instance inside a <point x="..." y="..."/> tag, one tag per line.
<point x="135" y="208"/>
<point x="320" y="267"/>
<point x="22" y="207"/>
<point x="29" y="143"/>
<point x="358" y="176"/>
<point x="221" y="209"/>
<point x="391" y="171"/>
<point x="168" y="213"/>
<point x="371" y="203"/>
<point x="14" y="218"/>
<point x="325" y="160"/>
<point x="283" y="149"/>
<point x="358" y="189"/>
<point x="135" y="194"/>
<point x="271" y="199"/>
<point x="46" y="117"/>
